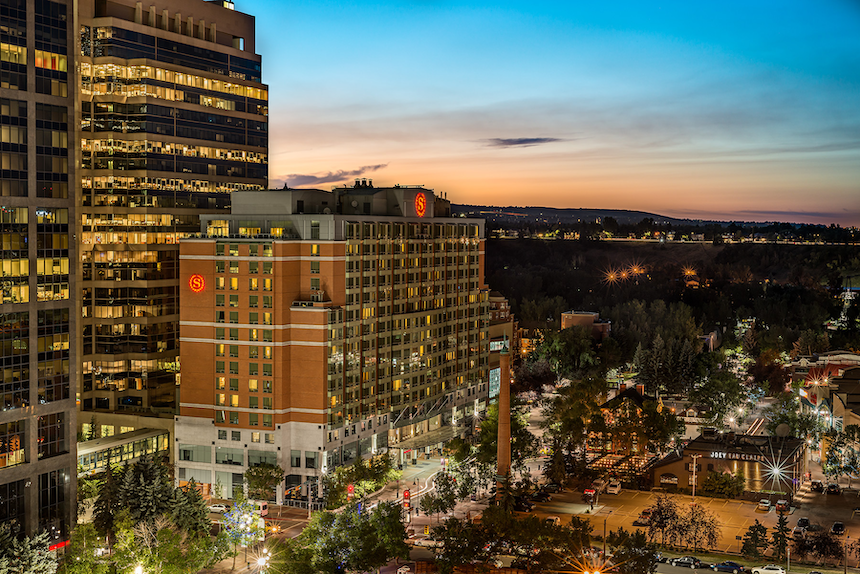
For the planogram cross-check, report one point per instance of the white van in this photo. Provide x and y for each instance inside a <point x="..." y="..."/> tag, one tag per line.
<point x="261" y="507"/>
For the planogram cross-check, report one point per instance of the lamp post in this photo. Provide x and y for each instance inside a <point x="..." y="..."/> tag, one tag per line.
<point x="263" y="560"/>
<point x="695" y="463"/>
<point x="605" y="518"/>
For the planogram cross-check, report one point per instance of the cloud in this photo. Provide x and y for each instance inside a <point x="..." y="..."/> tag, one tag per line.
<point x="298" y="179"/>
<point x="518" y="142"/>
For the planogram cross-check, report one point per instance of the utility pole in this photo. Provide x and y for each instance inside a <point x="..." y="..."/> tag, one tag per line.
<point x="695" y="463"/>
<point x="503" y="447"/>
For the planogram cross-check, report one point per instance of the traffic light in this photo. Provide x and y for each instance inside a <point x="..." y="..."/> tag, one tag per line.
<point x="406" y="499"/>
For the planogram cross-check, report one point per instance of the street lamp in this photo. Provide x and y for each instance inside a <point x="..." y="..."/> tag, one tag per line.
<point x="695" y="458"/>
<point x="138" y="569"/>
<point x="263" y="560"/>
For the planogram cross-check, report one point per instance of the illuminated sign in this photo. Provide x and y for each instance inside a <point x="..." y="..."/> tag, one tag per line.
<point x="420" y="204"/>
<point x="197" y="283"/>
<point x="738" y="456"/>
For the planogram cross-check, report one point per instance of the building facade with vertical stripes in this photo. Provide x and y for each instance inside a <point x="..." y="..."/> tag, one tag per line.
<point x="318" y="327"/>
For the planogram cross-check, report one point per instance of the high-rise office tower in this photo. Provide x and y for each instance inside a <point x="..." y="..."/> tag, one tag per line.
<point x="173" y="119"/>
<point x="38" y="317"/>
<point x="318" y="327"/>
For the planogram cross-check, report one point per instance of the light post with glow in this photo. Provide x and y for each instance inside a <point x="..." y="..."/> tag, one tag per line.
<point x="695" y="463"/>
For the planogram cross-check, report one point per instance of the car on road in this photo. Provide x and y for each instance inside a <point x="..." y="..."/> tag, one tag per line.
<point x="798" y="533"/>
<point x="644" y="518"/>
<point x="764" y="504"/>
<point x="782" y="506"/>
<point x="816" y="486"/>
<point x="218" y="508"/>
<point x="838" y="529"/>
<point x="803" y="522"/>
<point x="769" y="569"/>
<point x="614" y="487"/>
<point x="833" y="489"/>
<point x="541" y="496"/>
<point x="428" y="542"/>
<point x="686" y="562"/>
<point x="728" y="566"/>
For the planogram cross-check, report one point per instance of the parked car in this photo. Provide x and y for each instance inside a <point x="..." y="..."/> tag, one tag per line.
<point x="782" y="506"/>
<point x="764" y="504"/>
<point x="803" y="522"/>
<point x="552" y="487"/>
<point x="218" y="508"/>
<point x="798" y="533"/>
<point x="813" y="527"/>
<point x="541" y="496"/>
<point x="817" y="486"/>
<point x="644" y="518"/>
<point x="727" y="566"/>
<point x="614" y="487"/>
<point x="404" y="570"/>
<point x="599" y="485"/>
<point x="686" y="562"/>
<point x="838" y="529"/>
<point x="833" y="489"/>
<point x="769" y="569"/>
<point x="552" y="520"/>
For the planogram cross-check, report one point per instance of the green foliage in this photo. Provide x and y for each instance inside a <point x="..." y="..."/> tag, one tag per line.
<point x="533" y="375"/>
<point x="664" y="515"/>
<point x="722" y="391"/>
<point x="366" y="477"/>
<point x="88" y="490"/>
<point x="242" y="524"/>
<point x="826" y="545"/>
<point x="188" y="510"/>
<point x="570" y="353"/>
<point x="780" y="537"/>
<point x="724" y="484"/>
<point x="785" y="409"/>
<point x="755" y="540"/>
<point x="345" y="541"/>
<point x="25" y="555"/>
<point x="524" y="444"/>
<point x="81" y="554"/>
<point x="262" y="480"/>
<point x="145" y="491"/>
<point x="695" y="527"/>
<point x="633" y="553"/>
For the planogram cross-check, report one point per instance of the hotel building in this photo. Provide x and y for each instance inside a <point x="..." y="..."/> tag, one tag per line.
<point x="173" y="118"/>
<point x="38" y="315"/>
<point x="317" y="327"/>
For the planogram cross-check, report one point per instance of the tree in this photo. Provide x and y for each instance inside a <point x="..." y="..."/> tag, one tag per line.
<point x="825" y="545"/>
<point x="188" y="510"/>
<point x="524" y="444"/>
<point x="533" y="376"/>
<point x="698" y="527"/>
<point x="724" y="484"/>
<point x="570" y="352"/>
<point x="664" y="514"/>
<point x="262" y="480"/>
<point x="633" y="553"/>
<point x="722" y="391"/>
<point x="25" y="555"/>
<point x="82" y="555"/>
<point x="780" y="537"/>
<point x="88" y="490"/>
<point x="785" y="410"/>
<point x="107" y="504"/>
<point x="242" y="526"/>
<point x="755" y="540"/>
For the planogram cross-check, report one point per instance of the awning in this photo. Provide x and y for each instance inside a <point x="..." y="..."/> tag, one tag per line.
<point x="429" y="438"/>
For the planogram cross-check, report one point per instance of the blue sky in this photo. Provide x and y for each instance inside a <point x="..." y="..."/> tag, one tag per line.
<point x="730" y="110"/>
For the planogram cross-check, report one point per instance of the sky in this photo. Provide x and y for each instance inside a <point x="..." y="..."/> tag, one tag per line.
<point x="709" y="110"/>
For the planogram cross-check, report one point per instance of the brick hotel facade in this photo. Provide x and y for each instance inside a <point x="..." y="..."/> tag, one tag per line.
<point x="317" y="327"/>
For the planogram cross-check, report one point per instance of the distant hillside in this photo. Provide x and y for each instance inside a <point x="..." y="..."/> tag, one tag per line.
<point x="556" y="215"/>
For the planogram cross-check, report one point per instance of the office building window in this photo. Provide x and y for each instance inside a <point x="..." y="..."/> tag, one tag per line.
<point x="253" y="419"/>
<point x="52" y="435"/>
<point x="296" y="458"/>
<point x="222" y="434"/>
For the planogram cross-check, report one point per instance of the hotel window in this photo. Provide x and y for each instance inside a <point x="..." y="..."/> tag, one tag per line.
<point x="219" y="316"/>
<point x="221" y="400"/>
<point x="234" y="401"/>
<point x="253" y="419"/>
<point x="234" y="267"/>
<point x="315" y="249"/>
<point x="234" y="250"/>
<point x="219" y="366"/>
<point x="315" y="284"/>
<point x="267" y="386"/>
<point x="253" y="267"/>
<point x="236" y="435"/>
<point x="267" y="250"/>
<point x="268" y="335"/>
<point x="253" y="369"/>
<point x="267" y="420"/>
<point x="234" y="418"/>
<point x="234" y="317"/>
<point x="252" y="301"/>
<point x="234" y="350"/>
<point x="267" y="369"/>
<point x="219" y="333"/>
<point x="267" y="352"/>
<point x="234" y="334"/>
<point x="234" y="283"/>
<point x="253" y="284"/>
<point x="220" y="283"/>
<point x="219" y="267"/>
<point x="220" y="382"/>
<point x="267" y="284"/>
<point x="267" y="268"/>
<point x="253" y="334"/>
<point x="219" y="350"/>
<point x="310" y="459"/>
<point x="252" y="250"/>
<point x="219" y="416"/>
<point x="234" y="300"/>
<point x="252" y="385"/>
<point x="270" y="438"/>
<point x="267" y="318"/>
<point x="267" y="403"/>
<point x="234" y="384"/>
<point x="222" y="434"/>
<point x="255" y="437"/>
<point x="219" y="249"/>
<point x="253" y="403"/>
<point x="254" y="318"/>
<point x="253" y="352"/>
<point x="315" y="267"/>
<point x="234" y="367"/>
<point x="267" y="301"/>
<point x="219" y="300"/>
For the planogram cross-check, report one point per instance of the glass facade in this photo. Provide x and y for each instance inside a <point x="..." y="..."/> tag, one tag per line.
<point x="169" y="129"/>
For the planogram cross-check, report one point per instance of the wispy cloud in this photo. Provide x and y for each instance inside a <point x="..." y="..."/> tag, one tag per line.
<point x="298" y="179"/>
<point x="518" y="142"/>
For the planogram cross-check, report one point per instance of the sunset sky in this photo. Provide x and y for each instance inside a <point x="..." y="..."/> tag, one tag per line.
<point x="715" y="110"/>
